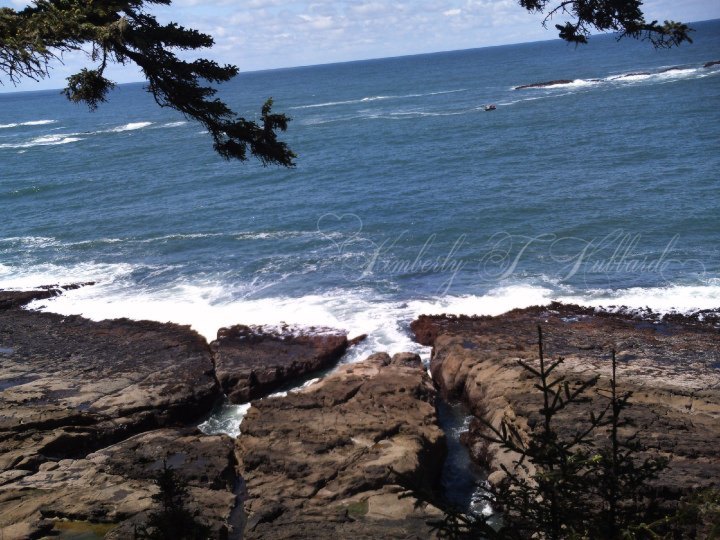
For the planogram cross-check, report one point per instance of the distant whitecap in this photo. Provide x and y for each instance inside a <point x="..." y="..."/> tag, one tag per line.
<point x="131" y="126"/>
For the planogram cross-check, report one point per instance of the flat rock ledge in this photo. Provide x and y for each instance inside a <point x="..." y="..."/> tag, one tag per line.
<point x="88" y="412"/>
<point x="107" y="493"/>
<point x="671" y="365"/>
<point x="252" y="362"/>
<point x="344" y="457"/>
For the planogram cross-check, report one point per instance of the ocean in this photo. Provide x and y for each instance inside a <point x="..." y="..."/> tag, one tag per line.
<point x="408" y="197"/>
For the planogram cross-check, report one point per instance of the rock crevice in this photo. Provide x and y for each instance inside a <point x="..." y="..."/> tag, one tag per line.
<point x="670" y="366"/>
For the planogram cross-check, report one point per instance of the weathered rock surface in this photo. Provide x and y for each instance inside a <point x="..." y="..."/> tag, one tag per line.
<point x="342" y="458"/>
<point x="14" y="299"/>
<point x="73" y="392"/>
<point x="69" y="386"/>
<point x="671" y="366"/>
<point x="543" y="84"/>
<point x="251" y="362"/>
<point x="108" y="492"/>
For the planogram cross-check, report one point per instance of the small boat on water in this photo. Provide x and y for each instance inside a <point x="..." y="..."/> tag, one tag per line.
<point x="490" y="107"/>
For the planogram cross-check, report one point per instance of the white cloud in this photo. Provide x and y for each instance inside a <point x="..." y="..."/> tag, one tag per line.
<point x="318" y="22"/>
<point x="260" y="34"/>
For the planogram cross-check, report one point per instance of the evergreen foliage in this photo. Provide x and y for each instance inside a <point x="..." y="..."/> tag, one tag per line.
<point x="172" y="521"/>
<point x="568" y="486"/>
<point x="123" y="31"/>
<point x="113" y="31"/>
<point x="623" y="16"/>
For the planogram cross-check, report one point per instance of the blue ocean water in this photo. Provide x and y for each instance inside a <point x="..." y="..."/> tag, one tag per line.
<point x="407" y="197"/>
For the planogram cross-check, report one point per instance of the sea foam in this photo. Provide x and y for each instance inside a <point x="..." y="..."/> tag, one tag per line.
<point x="29" y="123"/>
<point x="45" y="140"/>
<point x="131" y="126"/>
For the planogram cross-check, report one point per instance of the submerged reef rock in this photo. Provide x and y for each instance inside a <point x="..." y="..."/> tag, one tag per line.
<point x="344" y="457"/>
<point x="669" y="363"/>
<point x="252" y="361"/>
<point x="543" y="84"/>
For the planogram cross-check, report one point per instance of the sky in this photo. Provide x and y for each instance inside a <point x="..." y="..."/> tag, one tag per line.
<point x="268" y="34"/>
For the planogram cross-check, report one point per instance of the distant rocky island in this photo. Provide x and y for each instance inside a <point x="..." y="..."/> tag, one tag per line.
<point x="90" y="411"/>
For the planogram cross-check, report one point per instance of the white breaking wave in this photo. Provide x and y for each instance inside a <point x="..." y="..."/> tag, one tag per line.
<point x="51" y="274"/>
<point x="45" y="140"/>
<point x="211" y="305"/>
<point x="375" y="98"/>
<point x="38" y="122"/>
<point x="173" y="124"/>
<point x="29" y="123"/>
<point x="227" y="420"/>
<point x="131" y="126"/>
<point x="664" y="75"/>
<point x="65" y="138"/>
<point x="669" y="299"/>
<point x="28" y="242"/>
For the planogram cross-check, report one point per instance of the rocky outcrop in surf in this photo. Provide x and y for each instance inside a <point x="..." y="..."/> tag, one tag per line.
<point x="670" y="366"/>
<point x="13" y="299"/>
<point x="342" y="458"/>
<point x="633" y="74"/>
<point x="251" y="362"/>
<point x="641" y="74"/>
<point x="544" y="84"/>
<point x="88" y="411"/>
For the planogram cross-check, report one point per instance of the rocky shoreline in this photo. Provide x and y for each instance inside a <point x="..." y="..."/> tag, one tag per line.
<point x="90" y="410"/>
<point x="671" y="365"/>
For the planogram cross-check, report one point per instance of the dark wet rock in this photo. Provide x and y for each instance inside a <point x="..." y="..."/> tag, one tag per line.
<point x="634" y="74"/>
<point x="672" y="68"/>
<point x="111" y="490"/>
<point x="251" y="362"/>
<point x="343" y="458"/>
<point x="670" y="365"/>
<point x="357" y="340"/>
<point x="544" y="84"/>
<point x="15" y="299"/>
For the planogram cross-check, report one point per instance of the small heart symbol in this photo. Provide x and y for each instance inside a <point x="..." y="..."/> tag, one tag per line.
<point x="339" y="229"/>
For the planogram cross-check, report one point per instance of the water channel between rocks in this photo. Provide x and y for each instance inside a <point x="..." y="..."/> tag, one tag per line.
<point x="461" y="481"/>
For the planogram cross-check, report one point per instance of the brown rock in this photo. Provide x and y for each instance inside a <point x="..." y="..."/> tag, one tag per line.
<point x="69" y="386"/>
<point x="669" y="364"/>
<point x="15" y="299"/>
<point x="251" y="362"/>
<point x="342" y="458"/>
<point x="110" y="490"/>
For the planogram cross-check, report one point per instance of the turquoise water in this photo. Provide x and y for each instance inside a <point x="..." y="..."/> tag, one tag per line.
<point x="408" y="197"/>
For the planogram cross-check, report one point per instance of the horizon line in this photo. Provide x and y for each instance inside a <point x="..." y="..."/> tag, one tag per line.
<point x="303" y="66"/>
